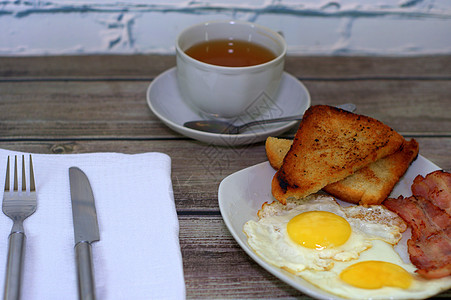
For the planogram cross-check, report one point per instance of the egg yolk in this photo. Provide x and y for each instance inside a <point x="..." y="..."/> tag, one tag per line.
<point x="319" y="230"/>
<point x="375" y="275"/>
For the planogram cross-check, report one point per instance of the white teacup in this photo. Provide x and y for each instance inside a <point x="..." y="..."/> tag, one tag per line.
<point x="227" y="92"/>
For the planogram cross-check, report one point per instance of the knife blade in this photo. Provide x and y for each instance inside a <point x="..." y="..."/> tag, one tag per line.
<point x="86" y="230"/>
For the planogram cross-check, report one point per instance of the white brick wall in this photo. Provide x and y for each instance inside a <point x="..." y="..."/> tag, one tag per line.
<point x="311" y="27"/>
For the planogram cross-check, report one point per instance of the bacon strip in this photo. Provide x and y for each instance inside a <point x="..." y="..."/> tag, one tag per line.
<point x="430" y="245"/>
<point x="434" y="187"/>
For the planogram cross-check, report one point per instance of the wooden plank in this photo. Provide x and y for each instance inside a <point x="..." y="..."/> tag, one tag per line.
<point x="216" y="267"/>
<point x="349" y="67"/>
<point x="149" y="66"/>
<point x="197" y="169"/>
<point x="74" y="109"/>
<point x="399" y="104"/>
<point x="85" y="66"/>
<point x="119" y="109"/>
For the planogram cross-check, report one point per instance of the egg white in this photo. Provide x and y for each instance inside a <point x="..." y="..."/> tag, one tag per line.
<point x="268" y="236"/>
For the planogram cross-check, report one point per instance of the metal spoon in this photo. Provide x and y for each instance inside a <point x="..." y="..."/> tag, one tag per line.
<point x="217" y="126"/>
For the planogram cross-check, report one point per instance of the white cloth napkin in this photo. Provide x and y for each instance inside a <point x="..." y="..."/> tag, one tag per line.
<point x="138" y="255"/>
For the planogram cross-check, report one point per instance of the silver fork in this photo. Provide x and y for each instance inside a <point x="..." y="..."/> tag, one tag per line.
<point x="17" y="205"/>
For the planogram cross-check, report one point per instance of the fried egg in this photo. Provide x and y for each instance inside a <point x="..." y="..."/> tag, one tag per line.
<point x="378" y="273"/>
<point x="346" y="251"/>
<point x="315" y="233"/>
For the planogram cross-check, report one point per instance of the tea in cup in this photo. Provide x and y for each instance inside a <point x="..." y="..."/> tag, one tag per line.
<point x="225" y="67"/>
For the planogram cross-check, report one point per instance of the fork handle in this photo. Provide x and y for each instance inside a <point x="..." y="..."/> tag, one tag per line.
<point x="13" y="276"/>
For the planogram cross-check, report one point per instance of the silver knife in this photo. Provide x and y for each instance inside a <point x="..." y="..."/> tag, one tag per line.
<point x="86" y="230"/>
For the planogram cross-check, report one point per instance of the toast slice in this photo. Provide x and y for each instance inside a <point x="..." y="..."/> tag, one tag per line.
<point x="330" y="145"/>
<point x="276" y="149"/>
<point x="370" y="185"/>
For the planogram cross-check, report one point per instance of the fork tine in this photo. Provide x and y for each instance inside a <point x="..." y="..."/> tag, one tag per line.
<point x="7" y="182"/>
<point x="32" y="185"/>
<point x="24" y="185"/>
<point x="16" y="182"/>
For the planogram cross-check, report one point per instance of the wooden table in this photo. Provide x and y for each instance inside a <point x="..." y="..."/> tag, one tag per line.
<point x="98" y="103"/>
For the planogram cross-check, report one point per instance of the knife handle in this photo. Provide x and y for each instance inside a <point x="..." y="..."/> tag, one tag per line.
<point x="13" y="276"/>
<point x="85" y="272"/>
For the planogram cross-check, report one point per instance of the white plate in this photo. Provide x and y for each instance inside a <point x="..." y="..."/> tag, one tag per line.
<point x="166" y="102"/>
<point x="242" y="194"/>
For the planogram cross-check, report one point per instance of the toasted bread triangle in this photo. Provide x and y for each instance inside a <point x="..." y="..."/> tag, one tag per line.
<point x="368" y="185"/>
<point x="330" y="145"/>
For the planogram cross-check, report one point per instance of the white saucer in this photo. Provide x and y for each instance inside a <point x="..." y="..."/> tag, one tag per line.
<point x="166" y="102"/>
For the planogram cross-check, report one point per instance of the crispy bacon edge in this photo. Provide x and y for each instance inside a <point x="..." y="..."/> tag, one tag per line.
<point x="430" y="246"/>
